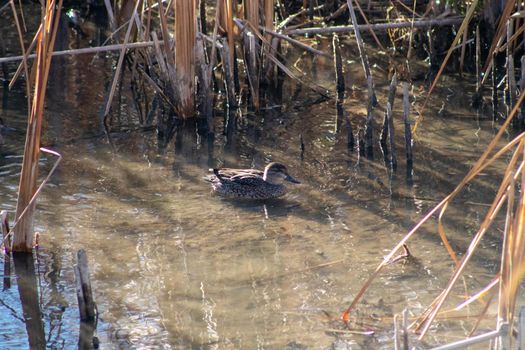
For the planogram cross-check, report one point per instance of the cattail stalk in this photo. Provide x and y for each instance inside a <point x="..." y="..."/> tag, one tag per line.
<point x="23" y="231"/>
<point x="185" y="38"/>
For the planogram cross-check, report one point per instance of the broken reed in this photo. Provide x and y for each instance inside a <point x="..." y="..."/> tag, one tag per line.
<point x="23" y="231"/>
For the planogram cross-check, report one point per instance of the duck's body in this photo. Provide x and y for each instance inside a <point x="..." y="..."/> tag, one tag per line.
<point x="251" y="183"/>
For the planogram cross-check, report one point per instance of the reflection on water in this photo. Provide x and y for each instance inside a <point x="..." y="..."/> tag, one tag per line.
<point x="175" y="267"/>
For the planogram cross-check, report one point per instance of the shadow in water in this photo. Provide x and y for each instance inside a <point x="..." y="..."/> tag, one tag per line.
<point x="86" y="338"/>
<point x="24" y="264"/>
<point x="7" y="272"/>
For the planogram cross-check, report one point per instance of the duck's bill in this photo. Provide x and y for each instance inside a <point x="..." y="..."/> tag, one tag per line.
<point x="292" y="180"/>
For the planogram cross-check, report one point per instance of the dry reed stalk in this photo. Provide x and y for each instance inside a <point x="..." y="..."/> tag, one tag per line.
<point x="388" y="113"/>
<point x="292" y="17"/>
<point x="185" y="37"/>
<point x="463" y="49"/>
<point x="511" y="77"/>
<point x="253" y="64"/>
<point x="391" y="134"/>
<point x="482" y="315"/>
<point x="362" y="53"/>
<point x="269" y="16"/>
<point x="22" y="15"/>
<point x="498" y="202"/>
<point x="4" y="229"/>
<point x="296" y="43"/>
<point x="285" y="68"/>
<point x="205" y="92"/>
<point x="397" y="338"/>
<point x="227" y="71"/>
<point x="338" y="64"/>
<point x="512" y="39"/>
<point x="252" y="49"/>
<point x="23" y="231"/>
<point x="500" y="33"/>
<point x="370" y="29"/>
<point x="480" y="294"/>
<point x="85" y="50"/>
<point x="377" y="26"/>
<point x="369" y="127"/>
<point x="513" y="255"/>
<point x="111" y="16"/>
<point x="166" y="71"/>
<point x="24" y="60"/>
<point x="118" y="70"/>
<point x="268" y="20"/>
<point x="408" y="131"/>
<point x="6" y="240"/>
<point x="226" y="13"/>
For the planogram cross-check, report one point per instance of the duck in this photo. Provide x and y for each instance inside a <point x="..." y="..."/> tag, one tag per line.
<point x="251" y="183"/>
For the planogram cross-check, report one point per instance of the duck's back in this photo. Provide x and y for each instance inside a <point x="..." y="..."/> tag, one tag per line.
<point x="244" y="184"/>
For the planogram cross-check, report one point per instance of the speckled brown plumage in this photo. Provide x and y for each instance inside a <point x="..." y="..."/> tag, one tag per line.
<point x="251" y="183"/>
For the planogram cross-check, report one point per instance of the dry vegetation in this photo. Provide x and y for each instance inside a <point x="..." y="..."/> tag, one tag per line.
<point x="248" y="38"/>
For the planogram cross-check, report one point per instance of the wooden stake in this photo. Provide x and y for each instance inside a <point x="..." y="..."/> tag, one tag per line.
<point x="86" y="305"/>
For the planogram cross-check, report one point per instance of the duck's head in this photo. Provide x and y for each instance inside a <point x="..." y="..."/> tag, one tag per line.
<point x="276" y="173"/>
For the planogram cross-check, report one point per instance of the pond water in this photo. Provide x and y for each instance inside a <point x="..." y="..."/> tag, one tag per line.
<point x="173" y="266"/>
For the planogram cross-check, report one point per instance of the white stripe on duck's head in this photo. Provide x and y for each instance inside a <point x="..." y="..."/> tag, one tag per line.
<point x="276" y="173"/>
